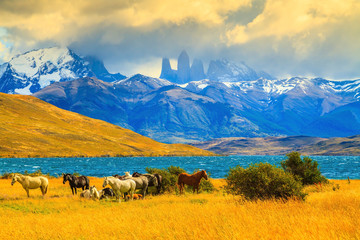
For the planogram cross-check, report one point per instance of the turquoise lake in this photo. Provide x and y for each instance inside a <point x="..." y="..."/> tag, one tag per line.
<point x="333" y="167"/>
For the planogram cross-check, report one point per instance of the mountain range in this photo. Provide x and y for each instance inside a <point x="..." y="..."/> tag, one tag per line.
<point x="234" y="100"/>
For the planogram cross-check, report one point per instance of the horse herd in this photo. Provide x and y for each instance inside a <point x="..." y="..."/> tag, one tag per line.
<point x="120" y="185"/>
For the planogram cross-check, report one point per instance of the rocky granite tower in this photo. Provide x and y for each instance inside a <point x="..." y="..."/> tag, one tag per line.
<point x="183" y="72"/>
<point x="166" y="71"/>
<point x="197" y="70"/>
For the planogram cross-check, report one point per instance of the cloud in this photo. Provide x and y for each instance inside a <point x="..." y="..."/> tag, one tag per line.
<point x="302" y="22"/>
<point x="64" y="20"/>
<point x="279" y="36"/>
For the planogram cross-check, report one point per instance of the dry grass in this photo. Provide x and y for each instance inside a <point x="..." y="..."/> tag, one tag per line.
<point x="326" y="214"/>
<point x="33" y="128"/>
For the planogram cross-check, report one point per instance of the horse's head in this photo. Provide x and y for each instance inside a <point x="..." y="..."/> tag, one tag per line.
<point x="66" y="177"/>
<point x="15" y="178"/>
<point x="204" y="175"/>
<point x="106" y="181"/>
<point x="92" y="189"/>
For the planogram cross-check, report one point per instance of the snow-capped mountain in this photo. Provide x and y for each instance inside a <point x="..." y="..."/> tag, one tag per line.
<point x="29" y="72"/>
<point x="228" y="105"/>
<point x="205" y="109"/>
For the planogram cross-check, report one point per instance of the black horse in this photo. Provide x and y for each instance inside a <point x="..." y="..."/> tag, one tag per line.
<point x="106" y="192"/>
<point x="155" y="180"/>
<point x="76" y="182"/>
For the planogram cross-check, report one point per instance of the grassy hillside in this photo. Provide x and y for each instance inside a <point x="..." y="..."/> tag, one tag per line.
<point x="325" y="214"/>
<point x="335" y="146"/>
<point x="33" y="128"/>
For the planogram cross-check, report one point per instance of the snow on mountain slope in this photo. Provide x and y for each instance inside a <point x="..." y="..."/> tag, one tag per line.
<point x="48" y="59"/>
<point x="3" y="68"/>
<point x="227" y="71"/>
<point x="29" y="72"/>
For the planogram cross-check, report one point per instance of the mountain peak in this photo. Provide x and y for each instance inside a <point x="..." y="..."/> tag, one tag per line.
<point x="183" y="72"/>
<point x="31" y="71"/>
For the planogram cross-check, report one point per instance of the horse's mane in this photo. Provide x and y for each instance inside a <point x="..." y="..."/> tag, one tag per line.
<point x="201" y="172"/>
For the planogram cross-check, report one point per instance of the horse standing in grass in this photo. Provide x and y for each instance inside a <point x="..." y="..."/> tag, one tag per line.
<point x="76" y="182"/>
<point x="29" y="182"/>
<point x="191" y="180"/>
<point x="141" y="183"/>
<point x="120" y="186"/>
<point x="155" y="180"/>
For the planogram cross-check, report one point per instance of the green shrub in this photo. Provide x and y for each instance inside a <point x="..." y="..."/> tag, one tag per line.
<point x="306" y="170"/>
<point x="263" y="181"/>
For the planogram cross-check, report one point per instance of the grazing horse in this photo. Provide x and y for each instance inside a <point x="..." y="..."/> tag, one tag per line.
<point x="76" y="182"/>
<point x="155" y="180"/>
<point x="141" y="183"/>
<point x="120" y="186"/>
<point x="191" y="180"/>
<point x="29" y="182"/>
<point x="106" y="192"/>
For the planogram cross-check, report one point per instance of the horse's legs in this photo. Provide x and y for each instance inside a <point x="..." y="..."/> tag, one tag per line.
<point x="181" y="187"/>
<point x="27" y="191"/>
<point x="194" y="189"/>
<point x="75" y="190"/>
<point x="118" y="196"/>
<point x="144" y="192"/>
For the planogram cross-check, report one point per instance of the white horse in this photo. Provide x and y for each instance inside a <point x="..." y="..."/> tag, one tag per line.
<point x="94" y="193"/>
<point x="28" y="182"/>
<point x="120" y="186"/>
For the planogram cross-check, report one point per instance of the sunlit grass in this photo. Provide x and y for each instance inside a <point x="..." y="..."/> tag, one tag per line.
<point x="326" y="214"/>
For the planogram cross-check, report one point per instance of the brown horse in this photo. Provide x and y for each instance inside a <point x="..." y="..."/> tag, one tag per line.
<point x="191" y="180"/>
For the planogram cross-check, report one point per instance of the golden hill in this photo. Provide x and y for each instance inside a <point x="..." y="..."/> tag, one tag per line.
<point x="33" y="128"/>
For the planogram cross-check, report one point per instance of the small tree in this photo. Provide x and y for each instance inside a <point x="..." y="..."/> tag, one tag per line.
<point x="263" y="181"/>
<point x="306" y="170"/>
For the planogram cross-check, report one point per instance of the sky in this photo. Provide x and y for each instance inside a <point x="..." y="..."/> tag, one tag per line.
<point x="318" y="38"/>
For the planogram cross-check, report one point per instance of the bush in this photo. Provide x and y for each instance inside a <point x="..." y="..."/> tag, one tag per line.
<point x="263" y="181"/>
<point x="305" y="170"/>
<point x="170" y="177"/>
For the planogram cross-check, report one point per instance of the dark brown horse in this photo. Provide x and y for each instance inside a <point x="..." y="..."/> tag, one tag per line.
<point x="155" y="180"/>
<point x="119" y="176"/>
<point x="76" y="182"/>
<point x="191" y="180"/>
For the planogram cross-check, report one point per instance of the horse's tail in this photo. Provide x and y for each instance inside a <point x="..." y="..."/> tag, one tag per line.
<point x="87" y="185"/>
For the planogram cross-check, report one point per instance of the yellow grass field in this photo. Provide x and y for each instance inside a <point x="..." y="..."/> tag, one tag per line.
<point x="326" y="214"/>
